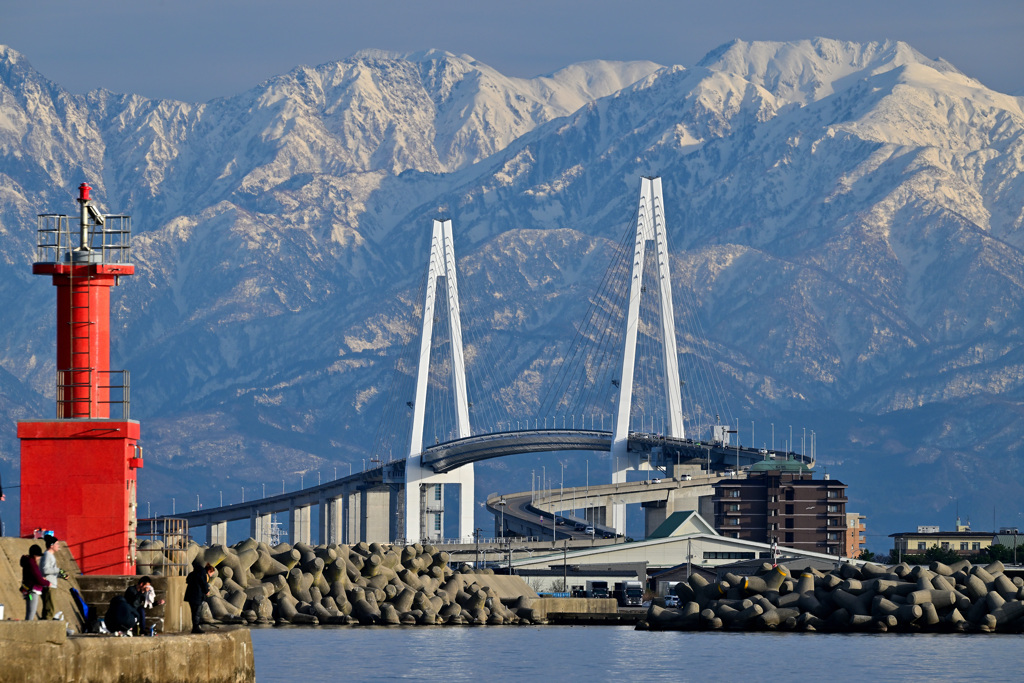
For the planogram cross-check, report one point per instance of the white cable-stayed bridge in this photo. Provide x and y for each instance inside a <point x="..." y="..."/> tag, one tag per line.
<point x="616" y="388"/>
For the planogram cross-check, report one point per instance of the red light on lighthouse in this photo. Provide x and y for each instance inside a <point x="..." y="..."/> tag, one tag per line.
<point x="78" y="471"/>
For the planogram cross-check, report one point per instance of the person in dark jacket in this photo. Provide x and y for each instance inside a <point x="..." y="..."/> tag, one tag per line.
<point x="32" y="581"/>
<point x="140" y="597"/>
<point x="197" y="587"/>
<point x="120" y="616"/>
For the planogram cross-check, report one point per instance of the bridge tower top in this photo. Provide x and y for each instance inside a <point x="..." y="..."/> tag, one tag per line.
<point x="650" y="226"/>
<point x="442" y="265"/>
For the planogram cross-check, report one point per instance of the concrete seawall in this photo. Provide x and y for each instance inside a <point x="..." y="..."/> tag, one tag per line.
<point x="545" y="606"/>
<point x="41" y="651"/>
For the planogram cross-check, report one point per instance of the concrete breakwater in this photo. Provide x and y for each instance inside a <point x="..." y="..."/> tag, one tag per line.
<point x="873" y="598"/>
<point x="367" y="584"/>
<point x="42" y="651"/>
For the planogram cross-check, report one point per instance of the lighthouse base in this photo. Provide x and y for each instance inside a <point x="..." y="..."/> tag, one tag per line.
<point x="78" y="480"/>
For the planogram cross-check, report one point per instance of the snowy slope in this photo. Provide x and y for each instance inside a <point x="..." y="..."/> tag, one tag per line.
<point x="845" y="218"/>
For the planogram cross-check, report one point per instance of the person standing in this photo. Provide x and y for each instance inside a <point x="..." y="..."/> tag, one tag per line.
<point x="50" y="571"/>
<point x="197" y="587"/>
<point x="32" y="581"/>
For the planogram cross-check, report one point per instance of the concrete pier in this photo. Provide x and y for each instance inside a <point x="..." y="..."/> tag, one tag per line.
<point x="42" y="652"/>
<point x="299" y="527"/>
<point x="217" y="532"/>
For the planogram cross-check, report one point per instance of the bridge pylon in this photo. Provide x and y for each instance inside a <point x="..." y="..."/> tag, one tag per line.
<point x="424" y="489"/>
<point x="650" y="227"/>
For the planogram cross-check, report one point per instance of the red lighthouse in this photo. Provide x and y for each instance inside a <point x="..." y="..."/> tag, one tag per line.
<point x="78" y="470"/>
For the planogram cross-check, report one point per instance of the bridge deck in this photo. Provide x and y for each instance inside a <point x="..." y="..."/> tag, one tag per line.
<point x="450" y="455"/>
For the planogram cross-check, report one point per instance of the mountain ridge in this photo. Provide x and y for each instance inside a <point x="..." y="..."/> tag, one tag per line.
<point x="845" y="219"/>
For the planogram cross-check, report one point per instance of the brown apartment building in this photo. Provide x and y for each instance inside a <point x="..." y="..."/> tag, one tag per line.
<point x="781" y="501"/>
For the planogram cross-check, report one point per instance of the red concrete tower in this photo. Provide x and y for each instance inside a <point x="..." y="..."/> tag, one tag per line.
<point x="78" y="470"/>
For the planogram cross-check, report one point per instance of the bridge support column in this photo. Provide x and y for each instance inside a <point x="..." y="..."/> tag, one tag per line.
<point x="375" y="523"/>
<point x="418" y="519"/>
<point x="597" y="515"/>
<point x="352" y="516"/>
<point x="299" y="525"/>
<point x="330" y="515"/>
<point x="396" y="528"/>
<point x="617" y="517"/>
<point x="259" y="527"/>
<point x="217" y="532"/>
<point x="655" y="513"/>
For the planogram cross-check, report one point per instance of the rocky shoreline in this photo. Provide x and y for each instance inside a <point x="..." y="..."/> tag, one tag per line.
<point x="960" y="597"/>
<point x="366" y="584"/>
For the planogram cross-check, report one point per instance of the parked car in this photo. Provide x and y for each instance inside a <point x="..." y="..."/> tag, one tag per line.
<point x="559" y="521"/>
<point x="589" y="530"/>
<point x="671" y="601"/>
<point x="608" y="534"/>
<point x="580" y="526"/>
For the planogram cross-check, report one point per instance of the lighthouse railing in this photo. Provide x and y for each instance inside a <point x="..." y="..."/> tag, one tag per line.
<point x="56" y="238"/>
<point x="70" y="398"/>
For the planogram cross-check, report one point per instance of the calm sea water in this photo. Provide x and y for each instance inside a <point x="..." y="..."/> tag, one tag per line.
<point x="611" y="653"/>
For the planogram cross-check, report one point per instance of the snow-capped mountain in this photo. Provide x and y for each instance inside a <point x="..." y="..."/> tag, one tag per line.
<point x="846" y="221"/>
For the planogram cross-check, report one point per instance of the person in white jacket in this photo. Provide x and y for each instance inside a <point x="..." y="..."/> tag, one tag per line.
<point x="50" y="570"/>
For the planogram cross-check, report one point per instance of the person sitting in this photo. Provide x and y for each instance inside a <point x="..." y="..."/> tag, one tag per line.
<point x="141" y="597"/>
<point x="121" y="618"/>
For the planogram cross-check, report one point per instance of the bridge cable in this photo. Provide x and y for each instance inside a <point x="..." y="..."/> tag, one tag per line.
<point x="598" y="324"/>
<point x="573" y="370"/>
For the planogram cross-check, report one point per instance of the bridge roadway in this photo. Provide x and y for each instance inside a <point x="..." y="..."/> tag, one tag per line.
<point x="365" y="505"/>
<point x="668" y="450"/>
<point x="535" y="514"/>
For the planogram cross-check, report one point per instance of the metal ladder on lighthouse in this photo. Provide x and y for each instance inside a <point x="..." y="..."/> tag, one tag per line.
<point x="80" y="334"/>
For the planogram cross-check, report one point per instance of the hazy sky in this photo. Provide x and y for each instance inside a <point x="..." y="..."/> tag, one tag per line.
<point x="196" y="50"/>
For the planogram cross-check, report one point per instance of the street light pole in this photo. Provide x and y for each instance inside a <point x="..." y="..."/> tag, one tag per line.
<point x="476" y="554"/>
<point x="502" y="503"/>
<point x="561" y="489"/>
<point x="565" y="569"/>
